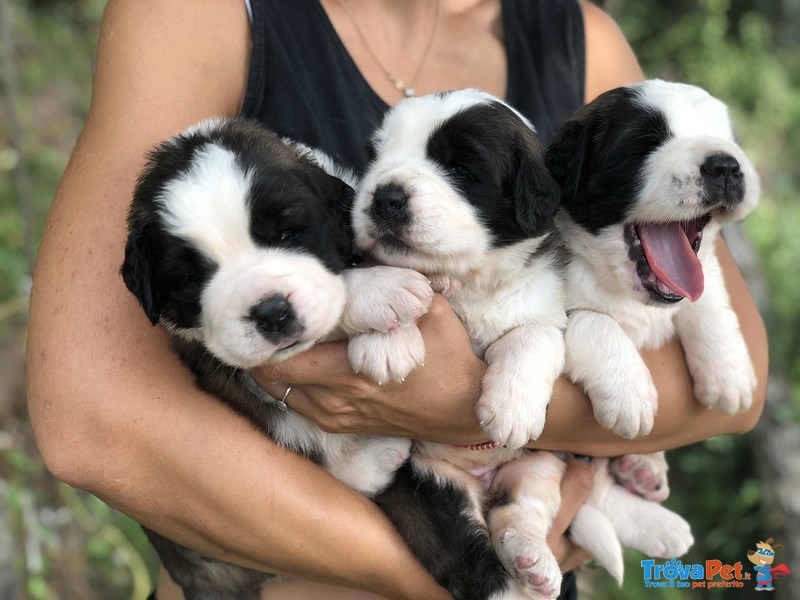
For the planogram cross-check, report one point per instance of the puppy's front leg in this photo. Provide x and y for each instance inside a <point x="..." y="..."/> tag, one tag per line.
<point x="523" y="365"/>
<point x="525" y="497"/>
<point x="383" y="303"/>
<point x="716" y="352"/>
<point x="382" y="298"/>
<point x="605" y="362"/>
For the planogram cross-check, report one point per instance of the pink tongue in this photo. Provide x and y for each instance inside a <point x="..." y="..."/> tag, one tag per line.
<point x="672" y="259"/>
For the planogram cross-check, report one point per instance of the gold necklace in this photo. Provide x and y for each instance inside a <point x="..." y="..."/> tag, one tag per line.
<point x="400" y="85"/>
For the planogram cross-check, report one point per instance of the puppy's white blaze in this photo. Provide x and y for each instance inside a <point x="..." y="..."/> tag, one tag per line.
<point x="673" y="188"/>
<point x="690" y="110"/>
<point x="208" y="204"/>
<point x="317" y="297"/>
<point x="409" y="124"/>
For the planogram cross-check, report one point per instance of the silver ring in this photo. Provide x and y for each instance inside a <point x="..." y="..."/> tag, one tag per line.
<point x="286" y="394"/>
<point x="249" y="383"/>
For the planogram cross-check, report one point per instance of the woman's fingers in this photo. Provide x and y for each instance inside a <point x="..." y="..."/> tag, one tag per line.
<point x="575" y="488"/>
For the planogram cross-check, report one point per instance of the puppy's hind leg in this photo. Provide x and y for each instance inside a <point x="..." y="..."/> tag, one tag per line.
<point x="525" y="496"/>
<point x="647" y="526"/>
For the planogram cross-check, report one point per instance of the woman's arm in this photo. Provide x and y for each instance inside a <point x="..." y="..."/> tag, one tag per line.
<point x="113" y="410"/>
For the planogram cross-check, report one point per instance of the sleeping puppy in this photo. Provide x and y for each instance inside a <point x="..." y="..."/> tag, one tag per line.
<point x="239" y="244"/>
<point x="459" y="191"/>
<point x="649" y="175"/>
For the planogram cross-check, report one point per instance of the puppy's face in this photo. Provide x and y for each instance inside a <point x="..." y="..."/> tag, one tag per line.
<point x="645" y="171"/>
<point x="455" y="175"/>
<point x="237" y="241"/>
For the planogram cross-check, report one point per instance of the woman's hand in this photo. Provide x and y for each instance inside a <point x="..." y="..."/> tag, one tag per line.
<point x="575" y="488"/>
<point x="435" y="402"/>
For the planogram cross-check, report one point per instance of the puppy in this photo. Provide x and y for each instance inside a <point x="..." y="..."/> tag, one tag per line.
<point x="239" y="244"/>
<point x="459" y="191"/>
<point x="649" y="174"/>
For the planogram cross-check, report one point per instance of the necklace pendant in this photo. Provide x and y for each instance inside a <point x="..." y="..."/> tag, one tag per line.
<point x="409" y="92"/>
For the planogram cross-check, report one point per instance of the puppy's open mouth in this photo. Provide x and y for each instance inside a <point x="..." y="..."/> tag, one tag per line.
<point x="665" y="255"/>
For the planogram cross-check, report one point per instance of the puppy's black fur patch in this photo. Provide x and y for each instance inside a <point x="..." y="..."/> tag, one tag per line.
<point x="515" y="196"/>
<point x="584" y="145"/>
<point x="434" y="519"/>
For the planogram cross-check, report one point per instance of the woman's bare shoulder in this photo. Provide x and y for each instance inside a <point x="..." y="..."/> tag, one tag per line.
<point x="610" y="61"/>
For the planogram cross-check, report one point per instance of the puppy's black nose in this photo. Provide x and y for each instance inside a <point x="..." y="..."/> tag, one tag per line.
<point x="723" y="180"/>
<point x="719" y="167"/>
<point x="274" y="317"/>
<point x="389" y="201"/>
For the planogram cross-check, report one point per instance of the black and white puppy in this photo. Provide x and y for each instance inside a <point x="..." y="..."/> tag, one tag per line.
<point x="239" y="243"/>
<point x="649" y="174"/>
<point x="459" y="191"/>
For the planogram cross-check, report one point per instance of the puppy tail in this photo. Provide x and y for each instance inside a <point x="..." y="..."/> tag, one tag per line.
<point x="593" y="531"/>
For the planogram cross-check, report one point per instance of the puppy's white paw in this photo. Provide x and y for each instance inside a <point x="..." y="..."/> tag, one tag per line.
<point x="378" y="463"/>
<point x="369" y="464"/>
<point x="642" y="474"/>
<point x="665" y="536"/>
<point x="626" y="407"/>
<point x="511" y="412"/>
<point x="529" y="559"/>
<point x="389" y="356"/>
<point x="727" y="388"/>
<point x="385" y="298"/>
<point x="445" y="285"/>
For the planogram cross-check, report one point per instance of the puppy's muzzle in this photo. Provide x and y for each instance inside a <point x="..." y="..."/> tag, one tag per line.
<point x="723" y="181"/>
<point x="389" y="201"/>
<point x="275" y="318"/>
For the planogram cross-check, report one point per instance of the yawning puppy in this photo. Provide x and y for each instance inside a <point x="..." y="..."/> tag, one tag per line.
<point x="649" y="174"/>
<point x="239" y="244"/>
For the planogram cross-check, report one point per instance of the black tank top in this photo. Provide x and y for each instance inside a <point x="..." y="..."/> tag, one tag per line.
<point x="303" y="84"/>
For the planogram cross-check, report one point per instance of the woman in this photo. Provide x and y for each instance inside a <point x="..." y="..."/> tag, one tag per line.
<point x="115" y="412"/>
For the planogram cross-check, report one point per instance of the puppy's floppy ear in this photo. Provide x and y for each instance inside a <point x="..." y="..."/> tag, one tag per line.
<point x="338" y="196"/>
<point x="536" y="194"/>
<point x="141" y="263"/>
<point x="566" y="156"/>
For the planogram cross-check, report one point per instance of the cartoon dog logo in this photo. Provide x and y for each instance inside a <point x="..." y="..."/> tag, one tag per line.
<point x="763" y="558"/>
